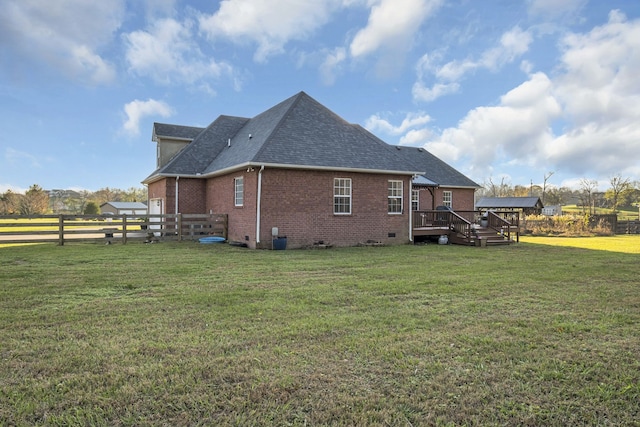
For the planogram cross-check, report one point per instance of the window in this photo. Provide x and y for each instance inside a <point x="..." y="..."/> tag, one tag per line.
<point x="415" y="200"/>
<point x="238" y="184"/>
<point x="446" y="198"/>
<point x="342" y="196"/>
<point x="395" y="197"/>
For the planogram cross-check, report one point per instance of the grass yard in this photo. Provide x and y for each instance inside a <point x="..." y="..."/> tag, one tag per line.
<point x="184" y="334"/>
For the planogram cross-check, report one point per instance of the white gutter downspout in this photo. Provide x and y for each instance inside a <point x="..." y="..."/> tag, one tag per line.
<point x="411" y="209"/>
<point x="258" y="202"/>
<point x="177" y="179"/>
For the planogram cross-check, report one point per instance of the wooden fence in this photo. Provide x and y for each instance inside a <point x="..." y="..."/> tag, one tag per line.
<point x="628" y="227"/>
<point x="110" y="228"/>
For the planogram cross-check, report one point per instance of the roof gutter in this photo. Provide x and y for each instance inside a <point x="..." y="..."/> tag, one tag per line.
<point x="283" y="166"/>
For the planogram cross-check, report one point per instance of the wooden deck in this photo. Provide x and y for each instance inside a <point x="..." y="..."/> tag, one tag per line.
<point x="469" y="227"/>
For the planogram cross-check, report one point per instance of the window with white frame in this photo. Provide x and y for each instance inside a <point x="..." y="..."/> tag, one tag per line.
<point x="395" y="197"/>
<point x="238" y="184"/>
<point x="342" y="196"/>
<point x="415" y="200"/>
<point x="447" y="198"/>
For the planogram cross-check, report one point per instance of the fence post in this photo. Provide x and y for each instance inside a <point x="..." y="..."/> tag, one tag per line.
<point x="61" y="230"/>
<point x="124" y="229"/>
<point x="179" y="225"/>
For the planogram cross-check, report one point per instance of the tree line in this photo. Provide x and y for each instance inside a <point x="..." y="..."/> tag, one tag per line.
<point x="622" y="193"/>
<point x="37" y="201"/>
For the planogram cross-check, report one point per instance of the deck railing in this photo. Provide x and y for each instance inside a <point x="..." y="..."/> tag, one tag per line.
<point x="449" y="220"/>
<point x="503" y="222"/>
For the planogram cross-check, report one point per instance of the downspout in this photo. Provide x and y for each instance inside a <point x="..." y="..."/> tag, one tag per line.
<point x="177" y="187"/>
<point x="258" y="202"/>
<point x="411" y="208"/>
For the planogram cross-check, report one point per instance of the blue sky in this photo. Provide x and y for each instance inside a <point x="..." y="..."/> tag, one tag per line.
<point x="500" y="89"/>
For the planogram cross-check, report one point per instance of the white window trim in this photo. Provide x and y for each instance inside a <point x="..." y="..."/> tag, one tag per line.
<point x="445" y="202"/>
<point x="400" y="197"/>
<point x="235" y="191"/>
<point x="346" y="196"/>
<point x="416" y="200"/>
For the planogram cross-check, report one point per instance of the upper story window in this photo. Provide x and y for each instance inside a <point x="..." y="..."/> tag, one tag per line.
<point x="342" y="196"/>
<point x="415" y="200"/>
<point x="238" y="184"/>
<point x="395" y="197"/>
<point x="447" y="198"/>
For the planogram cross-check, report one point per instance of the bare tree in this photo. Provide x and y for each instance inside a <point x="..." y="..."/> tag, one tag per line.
<point x="587" y="189"/>
<point x="544" y="184"/>
<point x="9" y="202"/>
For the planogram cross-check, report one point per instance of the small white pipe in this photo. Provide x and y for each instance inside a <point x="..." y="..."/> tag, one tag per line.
<point x="258" y="202"/>
<point x="177" y="187"/>
<point x="410" y="207"/>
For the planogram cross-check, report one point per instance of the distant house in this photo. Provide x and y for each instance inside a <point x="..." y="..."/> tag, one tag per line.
<point x="527" y="205"/>
<point x="124" y="208"/>
<point x="301" y="171"/>
<point x="552" y="210"/>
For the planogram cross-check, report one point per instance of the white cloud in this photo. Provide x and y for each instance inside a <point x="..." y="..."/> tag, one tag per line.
<point x="390" y="32"/>
<point x="426" y="94"/>
<point x="331" y="65"/>
<point x="513" y="44"/>
<point x="270" y="25"/>
<point x="136" y="110"/>
<point x="555" y="8"/>
<point x="600" y="92"/>
<point x="168" y="53"/>
<point x="13" y="156"/>
<point x="376" y="123"/>
<point x="517" y="128"/>
<point x="392" y="25"/>
<point x="64" y="34"/>
<point x="594" y="94"/>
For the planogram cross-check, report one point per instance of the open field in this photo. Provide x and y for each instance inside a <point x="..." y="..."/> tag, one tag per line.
<point x="188" y="334"/>
<point x="624" y="214"/>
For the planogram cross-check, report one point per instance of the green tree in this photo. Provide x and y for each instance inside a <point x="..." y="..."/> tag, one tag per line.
<point x="134" y="194"/>
<point x="614" y="195"/>
<point x="35" y="201"/>
<point x="91" y="208"/>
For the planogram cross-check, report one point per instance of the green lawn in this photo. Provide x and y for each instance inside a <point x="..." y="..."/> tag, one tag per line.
<point x="185" y="334"/>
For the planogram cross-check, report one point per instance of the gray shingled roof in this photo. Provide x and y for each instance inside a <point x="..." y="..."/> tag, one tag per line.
<point x="298" y="132"/>
<point x="126" y="205"/>
<point x="437" y="171"/>
<point x="175" y="131"/>
<point x="202" y="151"/>
<point x="509" y="202"/>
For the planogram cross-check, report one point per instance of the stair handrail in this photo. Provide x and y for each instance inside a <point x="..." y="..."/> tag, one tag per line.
<point x="455" y="219"/>
<point x="499" y="224"/>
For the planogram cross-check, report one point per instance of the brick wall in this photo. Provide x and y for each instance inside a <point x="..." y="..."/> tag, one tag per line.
<point x="220" y="198"/>
<point x="158" y="190"/>
<point x="300" y="205"/>
<point x="462" y="198"/>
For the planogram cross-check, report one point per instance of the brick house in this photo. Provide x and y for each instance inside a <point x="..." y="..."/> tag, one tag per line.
<point x="302" y="169"/>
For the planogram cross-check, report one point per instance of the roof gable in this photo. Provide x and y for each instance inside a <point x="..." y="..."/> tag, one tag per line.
<point x="437" y="171"/>
<point x="205" y="148"/>
<point x="301" y="132"/>
<point x="175" y="131"/>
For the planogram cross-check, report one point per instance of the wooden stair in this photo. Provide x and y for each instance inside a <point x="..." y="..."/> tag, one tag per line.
<point x="481" y="236"/>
